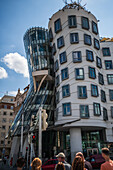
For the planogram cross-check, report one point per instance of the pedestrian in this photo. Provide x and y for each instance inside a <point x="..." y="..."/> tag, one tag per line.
<point x="60" y="166"/>
<point x="108" y="165"/>
<point x="36" y="164"/>
<point x="20" y="163"/>
<point x="78" y="163"/>
<point x="86" y="163"/>
<point x="61" y="158"/>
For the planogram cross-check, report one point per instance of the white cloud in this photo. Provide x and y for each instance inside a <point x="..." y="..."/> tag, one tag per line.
<point x="14" y="93"/>
<point x="17" y="63"/>
<point x="3" y="73"/>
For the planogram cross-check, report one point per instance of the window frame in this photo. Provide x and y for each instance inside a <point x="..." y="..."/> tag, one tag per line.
<point x="57" y="80"/>
<point x="77" y="60"/>
<point x="104" y="53"/>
<point x="88" y="59"/>
<point x="100" y="80"/>
<point x="99" y="65"/>
<point x="95" y="109"/>
<point x="64" y="88"/>
<point x="60" y="56"/>
<point x="85" y="27"/>
<point x="111" y="111"/>
<point x="71" y="38"/>
<point x="66" y="109"/>
<point x="62" y="40"/>
<point x="94" y="94"/>
<point x="50" y="35"/>
<point x="57" y="97"/>
<point x="85" y="38"/>
<point x="95" y="32"/>
<point x="65" y="69"/>
<point x="110" y="63"/>
<point x="60" y="27"/>
<point x="76" y="74"/>
<point x="110" y="78"/>
<point x="103" y="96"/>
<point x="110" y="94"/>
<point x="95" y="46"/>
<point x="105" y="114"/>
<point x="72" y="17"/>
<point x="56" y="65"/>
<point x="86" y="114"/>
<point x="83" y="96"/>
<point x="53" y="49"/>
<point x="90" y="71"/>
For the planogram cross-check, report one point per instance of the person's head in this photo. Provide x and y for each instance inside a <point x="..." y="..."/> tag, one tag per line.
<point x="105" y="153"/>
<point x="36" y="164"/>
<point x="80" y="154"/>
<point x="20" y="163"/>
<point x="78" y="163"/>
<point x="61" y="157"/>
<point x="60" y="166"/>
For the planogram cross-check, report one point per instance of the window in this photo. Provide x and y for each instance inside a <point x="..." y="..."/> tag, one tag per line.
<point x="8" y="142"/>
<point x="92" y="73"/>
<point x="82" y="92"/>
<point x="63" y="57"/>
<point x="57" y="81"/>
<point x="105" y="115"/>
<point x="3" y="127"/>
<point x="97" y="110"/>
<point x="57" y="25"/>
<point x="2" y="134"/>
<point x="5" y="106"/>
<point x="11" y="114"/>
<point x="65" y="91"/>
<point x="84" y="111"/>
<point x="76" y="56"/>
<point x="108" y="64"/>
<point x="50" y="35"/>
<point x="12" y="107"/>
<point x="101" y="79"/>
<point x="60" y="42"/>
<point x="4" y="113"/>
<point x="57" y="97"/>
<point x="94" y="90"/>
<point x="56" y="65"/>
<point x="4" y="120"/>
<point x="56" y="114"/>
<point x="10" y="121"/>
<point x="96" y="44"/>
<point x="112" y="111"/>
<point x="64" y="73"/>
<point x="111" y="95"/>
<point x="85" y="23"/>
<point x="54" y="49"/>
<point x="72" y="21"/>
<point x="106" y="52"/>
<point x="94" y="27"/>
<point x="110" y="78"/>
<point x="2" y="142"/>
<point x="89" y="55"/>
<point x="98" y="62"/>
<point x="87" y="39"/>
<point x="103" y="96"/>
<point x="79" y="73"/>
<point x="66" y="109"/>
<point x="74" y="38"/>
<point x="11" y="100"/>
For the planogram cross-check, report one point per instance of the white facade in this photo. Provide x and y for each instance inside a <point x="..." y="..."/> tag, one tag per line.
<point x="92" y="121"/>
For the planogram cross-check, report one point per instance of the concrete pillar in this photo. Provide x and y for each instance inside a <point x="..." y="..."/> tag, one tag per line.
<point x="75" y="141"/>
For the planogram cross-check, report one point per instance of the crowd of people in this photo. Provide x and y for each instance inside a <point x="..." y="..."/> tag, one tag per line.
<point x="79" y="162"/>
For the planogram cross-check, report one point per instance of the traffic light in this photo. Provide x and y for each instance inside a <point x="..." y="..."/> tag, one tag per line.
<point x="33" y="138"/>
<point x="44" y="117"/>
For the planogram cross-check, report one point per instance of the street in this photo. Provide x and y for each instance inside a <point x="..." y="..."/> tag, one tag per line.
<point x="5" y="167"/>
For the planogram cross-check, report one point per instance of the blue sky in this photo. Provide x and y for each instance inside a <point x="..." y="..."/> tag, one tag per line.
<point x="16" y="16"/>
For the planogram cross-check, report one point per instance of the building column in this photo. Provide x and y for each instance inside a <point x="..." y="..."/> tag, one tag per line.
<point x="75" y="141"/>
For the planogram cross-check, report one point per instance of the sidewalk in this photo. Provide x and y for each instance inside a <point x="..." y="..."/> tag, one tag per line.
<point x="5" y="167"/>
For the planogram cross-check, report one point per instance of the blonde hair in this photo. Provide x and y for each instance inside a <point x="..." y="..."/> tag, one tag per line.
<point x="36" y="164"/>
<point x="60" y="166"/>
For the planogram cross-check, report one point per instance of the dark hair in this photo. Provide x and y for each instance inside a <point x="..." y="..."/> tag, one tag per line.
<point x="60" y="166"/>
<point x="20" y="162"/>
<point x="78" y="163"/>
<point x="105" y="151"/>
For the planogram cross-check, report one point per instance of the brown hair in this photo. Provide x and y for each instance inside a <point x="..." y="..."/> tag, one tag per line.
<point x="60" y="166"/>
<point x="78" y="163"/>
<point x="105" y="151"/>
<point x="36" y="164"/>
